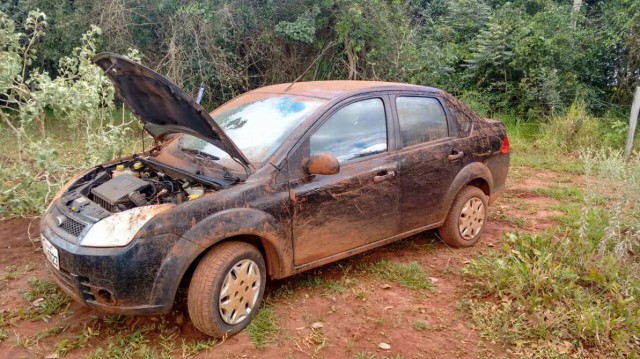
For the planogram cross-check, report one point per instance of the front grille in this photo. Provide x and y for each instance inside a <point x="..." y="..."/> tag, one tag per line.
<point x="104" y="204"/>
<point x="72" y="227"/>
<point x="68" y="225"/>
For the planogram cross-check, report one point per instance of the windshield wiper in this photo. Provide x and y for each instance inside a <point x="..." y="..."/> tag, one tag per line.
<point x="200" y="153"/>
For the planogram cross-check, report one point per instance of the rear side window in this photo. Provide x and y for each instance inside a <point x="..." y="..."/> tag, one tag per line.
<point x="464" y="123"/>
<point x="422" y="119"/>
<point x="356" y="130"/>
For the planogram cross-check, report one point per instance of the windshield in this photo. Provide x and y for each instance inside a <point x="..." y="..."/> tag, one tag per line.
<point x="257" y="123"/>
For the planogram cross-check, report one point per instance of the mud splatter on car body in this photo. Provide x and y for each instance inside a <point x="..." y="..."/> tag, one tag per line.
<point x="297" y="217"/>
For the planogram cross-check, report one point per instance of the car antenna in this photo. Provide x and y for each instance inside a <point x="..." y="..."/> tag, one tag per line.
<point x="309" y="68"/>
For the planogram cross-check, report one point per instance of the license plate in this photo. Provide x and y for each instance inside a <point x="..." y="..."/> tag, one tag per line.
<point x="51" y="253"/>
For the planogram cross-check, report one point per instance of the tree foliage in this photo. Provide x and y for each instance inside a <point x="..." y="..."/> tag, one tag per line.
<point x="532" y="56"/>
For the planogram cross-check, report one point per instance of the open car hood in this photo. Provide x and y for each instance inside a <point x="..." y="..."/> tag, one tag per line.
<point x="161" y="105"/>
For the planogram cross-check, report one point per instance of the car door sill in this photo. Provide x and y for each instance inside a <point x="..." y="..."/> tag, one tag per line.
<point x="364" y="248"/>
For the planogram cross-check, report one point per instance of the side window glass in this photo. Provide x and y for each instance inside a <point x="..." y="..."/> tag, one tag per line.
<point x="422" y="119"/>
<point x="464" y="123"/>
<point x="356" y="130"/>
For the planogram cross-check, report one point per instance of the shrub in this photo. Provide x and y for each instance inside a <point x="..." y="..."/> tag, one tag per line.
<point x="81" y="99"/>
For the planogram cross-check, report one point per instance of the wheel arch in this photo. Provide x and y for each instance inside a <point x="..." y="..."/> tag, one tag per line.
<point x="474" y="174"/>
<point x="242" y="224"/>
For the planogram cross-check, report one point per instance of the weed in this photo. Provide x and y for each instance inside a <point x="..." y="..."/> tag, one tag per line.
<point x="553" y="290"/>
<point x="4" y="334"/>
<point x="360" y="293"/>
<point x="69" y="344"/>
<point x="48" y="298"/>
<point x="333" y="287"/>
<point x="10" y="273"/>
<point x="134" y="345"/>
<point x="24" y="342"/>
<point x="364" y="355"/>
<point x="561" y="192"/>
<point x="168" y="344"/>
<point x="196" y="346"/>
<point x="420" y="325"/>
<point x="463" y="304"/>
<point x="510" y="219"/>
<point x="409" y="275"/>
<point x="316" y="341"/>
<point x="262" y="328"/>
<point x="29" y="341"/>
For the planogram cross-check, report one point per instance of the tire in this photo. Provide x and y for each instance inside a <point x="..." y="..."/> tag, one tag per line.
<point x="466" y="219"/>
<point x="238" y="272"/>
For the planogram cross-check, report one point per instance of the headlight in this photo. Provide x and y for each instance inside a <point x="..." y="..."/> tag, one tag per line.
<point x="119" y="229"/>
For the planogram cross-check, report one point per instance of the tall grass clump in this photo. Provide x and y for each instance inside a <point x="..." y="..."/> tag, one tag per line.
<point x="569" y="132"/>
<point x="575" y="292"/>
<point x="34" y="163"/>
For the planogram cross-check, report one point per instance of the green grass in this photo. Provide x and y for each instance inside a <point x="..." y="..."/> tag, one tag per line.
<point x="513" y="220"/>
<point x="572" y="290"/>
<point x="133" y="345"/>
<point x="194" y="347"/>
<point x="10" y="273"/>
<point x="333" y="287"/>
<point x="554" y="290"/>
<point x="53" y="300"/>
<point x="420" y="325"/>
<point x="263" y="328"/>
<point x="68" y="344"/>
<point x="561" y="192"/>
<point x="408" y="275"/>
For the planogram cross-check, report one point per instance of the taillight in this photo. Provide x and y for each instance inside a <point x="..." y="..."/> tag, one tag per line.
<point x="505" y="144"/>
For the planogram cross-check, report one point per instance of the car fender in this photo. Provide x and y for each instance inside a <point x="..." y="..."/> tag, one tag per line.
<point x="472" y="171"/>
<point x="216" y="228"/>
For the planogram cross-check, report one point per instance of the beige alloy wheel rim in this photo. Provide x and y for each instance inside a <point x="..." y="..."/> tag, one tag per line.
<point x="471" y="218"/>
<point x="239" y="291"/>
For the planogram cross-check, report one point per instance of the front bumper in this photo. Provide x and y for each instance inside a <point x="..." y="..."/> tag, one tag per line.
<point x="126" y="280"/>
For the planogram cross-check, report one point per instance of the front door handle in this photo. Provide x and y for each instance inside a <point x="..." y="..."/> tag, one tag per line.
<point x="383" y="176"/>
<point x="455" y="155"/>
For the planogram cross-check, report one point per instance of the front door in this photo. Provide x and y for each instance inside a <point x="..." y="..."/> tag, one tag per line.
<point x="336" y="213"/>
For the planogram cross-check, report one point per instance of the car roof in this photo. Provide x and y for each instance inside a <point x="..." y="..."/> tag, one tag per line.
<point x="337" y="88"/>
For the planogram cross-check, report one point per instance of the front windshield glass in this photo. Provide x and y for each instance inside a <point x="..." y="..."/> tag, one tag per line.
<point x="256" y="123"/>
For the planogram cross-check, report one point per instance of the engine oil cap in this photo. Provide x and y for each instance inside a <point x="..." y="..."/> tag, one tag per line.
<point x="138" y="165"/>
<point x="120" y="168"/>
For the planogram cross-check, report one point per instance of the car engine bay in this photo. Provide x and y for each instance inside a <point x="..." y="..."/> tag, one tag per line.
<point x="127" y="185"/>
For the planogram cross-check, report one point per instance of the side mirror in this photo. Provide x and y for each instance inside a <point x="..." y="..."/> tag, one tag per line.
<point x="322" y="163"/>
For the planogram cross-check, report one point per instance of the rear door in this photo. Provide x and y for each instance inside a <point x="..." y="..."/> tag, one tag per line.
<point x="431" y="156"/>
<point x="334" y="214"/>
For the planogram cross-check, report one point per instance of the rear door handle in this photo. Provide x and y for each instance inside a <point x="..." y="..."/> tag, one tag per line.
<point x="456" y="155"/>
<point x="383" y="176"/>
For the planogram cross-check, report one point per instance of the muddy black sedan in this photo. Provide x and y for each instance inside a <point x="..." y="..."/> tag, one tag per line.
<point x="277" y="181"/>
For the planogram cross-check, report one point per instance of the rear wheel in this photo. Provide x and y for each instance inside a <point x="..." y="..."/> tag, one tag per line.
<point x="226" y="289"/>
<point x="466" y="219"/>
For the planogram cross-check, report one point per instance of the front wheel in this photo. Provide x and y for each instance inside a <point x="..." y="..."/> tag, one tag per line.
<point x="226" y="289"/>
<point x="466" y="219"/>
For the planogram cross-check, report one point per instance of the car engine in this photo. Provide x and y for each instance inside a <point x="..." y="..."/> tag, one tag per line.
<point x="127" y="185"/>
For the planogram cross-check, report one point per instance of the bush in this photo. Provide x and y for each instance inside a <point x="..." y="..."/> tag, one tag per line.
<point x="80" y="98"/>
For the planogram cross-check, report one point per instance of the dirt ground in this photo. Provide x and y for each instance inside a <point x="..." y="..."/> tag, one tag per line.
<point x="354" y="321"/>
